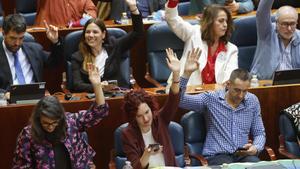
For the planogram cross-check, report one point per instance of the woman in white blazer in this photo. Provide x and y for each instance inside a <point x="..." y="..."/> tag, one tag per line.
<point x="218" y="57"/>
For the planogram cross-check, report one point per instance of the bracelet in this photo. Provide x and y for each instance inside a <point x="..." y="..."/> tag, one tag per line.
<point x="175" y="81"/>
<point x="134" y="10"/>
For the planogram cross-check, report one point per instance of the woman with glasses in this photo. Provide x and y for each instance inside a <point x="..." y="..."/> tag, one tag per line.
<point x="54" y="138"/>
<point x="218" y="56"/>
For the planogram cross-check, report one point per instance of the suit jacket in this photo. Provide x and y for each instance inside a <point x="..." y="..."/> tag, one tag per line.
<point x="119" y="6"/>
<point x="37" y="58"/>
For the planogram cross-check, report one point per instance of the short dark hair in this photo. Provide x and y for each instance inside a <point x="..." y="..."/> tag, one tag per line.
<point x="14" y="22"/>
<point x="241" y="74"/>
<point x="50" y="107"/>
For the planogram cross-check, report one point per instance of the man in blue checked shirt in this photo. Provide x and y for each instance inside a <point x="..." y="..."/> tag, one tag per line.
<point x="232" y="114"/>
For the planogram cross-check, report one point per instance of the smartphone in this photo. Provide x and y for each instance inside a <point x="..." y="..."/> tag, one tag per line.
<point x="113" y="82"/>
<point x="160" y="91"/>
<point x="118" y="21"/>
<point x="154" y="147"/>
<point x="242" y="149"/>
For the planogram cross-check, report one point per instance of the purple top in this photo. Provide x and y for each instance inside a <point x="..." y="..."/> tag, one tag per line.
<point x="29" y="153"/>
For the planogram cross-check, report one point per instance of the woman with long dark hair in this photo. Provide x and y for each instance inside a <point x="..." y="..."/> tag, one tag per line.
<point x="54" y="138"/>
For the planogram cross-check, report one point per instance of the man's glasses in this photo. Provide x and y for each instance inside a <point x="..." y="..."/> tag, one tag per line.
<point x="287" y="24"/>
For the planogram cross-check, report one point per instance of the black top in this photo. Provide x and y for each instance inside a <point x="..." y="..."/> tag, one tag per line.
<point x="115" y="49"/>
<point x="61" y="156"/>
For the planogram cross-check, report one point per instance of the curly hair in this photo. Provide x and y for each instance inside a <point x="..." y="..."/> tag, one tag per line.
<point x="134" y="98"/>
<point x="210" y="14"/>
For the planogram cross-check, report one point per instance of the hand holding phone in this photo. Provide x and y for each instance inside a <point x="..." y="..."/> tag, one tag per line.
<point x="242" y="149"/>
<point x="154" y="147"/>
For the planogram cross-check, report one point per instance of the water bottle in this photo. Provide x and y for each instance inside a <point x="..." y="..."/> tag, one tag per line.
<point x="127" y="165"/>
<point x="124" y="18"/>
<point x="64" y="83"/>
<point x="3" y="101"/>
<point x="132" y="80"/>
<point x="254" y="81"/>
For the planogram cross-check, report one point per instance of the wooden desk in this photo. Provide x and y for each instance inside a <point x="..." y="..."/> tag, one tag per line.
<point x="15" y="117"/>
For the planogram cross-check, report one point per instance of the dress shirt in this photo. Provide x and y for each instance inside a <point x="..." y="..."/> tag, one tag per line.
<point x="268" y="52"/>
<point x="25" y="65"/>
<point x="285" y="61"/>
<point x="227" y="128"/>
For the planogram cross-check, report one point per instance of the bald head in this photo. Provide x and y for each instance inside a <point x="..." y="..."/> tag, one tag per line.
<point x="286" y="11"/>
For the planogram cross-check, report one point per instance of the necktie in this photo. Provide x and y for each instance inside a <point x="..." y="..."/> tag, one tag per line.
<point x="18" y="69"/>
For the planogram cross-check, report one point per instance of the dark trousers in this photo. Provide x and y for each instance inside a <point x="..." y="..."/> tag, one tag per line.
<point x="230" y="158"/>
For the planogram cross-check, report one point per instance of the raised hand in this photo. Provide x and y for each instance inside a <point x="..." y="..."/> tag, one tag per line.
<point x="233" y="6"/>
<point x="51" y="32"/>
<point x="191" y="63"/>
<point x="172" y="61"/>
<point x="94" y="75"/>
<point x="131" y="3"/>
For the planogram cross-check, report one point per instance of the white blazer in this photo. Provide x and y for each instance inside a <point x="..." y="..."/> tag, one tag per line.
<point x="226" y="62"/>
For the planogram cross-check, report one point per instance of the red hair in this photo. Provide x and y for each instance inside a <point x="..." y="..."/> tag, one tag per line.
<point x="134" y="98"/>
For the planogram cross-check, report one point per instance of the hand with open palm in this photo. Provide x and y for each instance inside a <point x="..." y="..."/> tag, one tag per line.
<point x="94" y="75"/>
<point x="191" y="63"/>
<point x="172" y="61"/>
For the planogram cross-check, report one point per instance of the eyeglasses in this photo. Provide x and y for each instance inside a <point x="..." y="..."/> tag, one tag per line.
<point x="287" y="24"/>
<point x="53" y="124"/>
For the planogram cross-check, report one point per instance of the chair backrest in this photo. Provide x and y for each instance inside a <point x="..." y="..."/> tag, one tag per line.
<point x="1" y="14"/>
<point x="194" y="128"/>
<point x="245" y="38"/>
<point x="176" y="135"/>
<point x="27" y="8"/>
<point x="160" y="37"/>
<point x="287" y="130"/>
<point x="183" y="8"/>
<point x="71" y="45"/>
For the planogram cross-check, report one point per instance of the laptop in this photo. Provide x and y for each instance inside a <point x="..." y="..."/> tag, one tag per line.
<point x="27" y="93"/>
<point x="291" y="76"/>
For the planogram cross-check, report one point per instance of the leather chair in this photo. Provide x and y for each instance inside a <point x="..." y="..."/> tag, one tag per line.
<point x="245" y="38"/>
<point x="118" y="156"/>
<point x="27" y="8"/>
<point x="183" y="8"/>
<point x="289" y="146"/>
<point x="160" y="37"/>
<point x="71" y="45"/>
<point x="194" y="128"/>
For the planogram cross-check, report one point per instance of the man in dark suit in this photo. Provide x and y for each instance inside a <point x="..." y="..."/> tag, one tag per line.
<point x="23" y="62"/>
